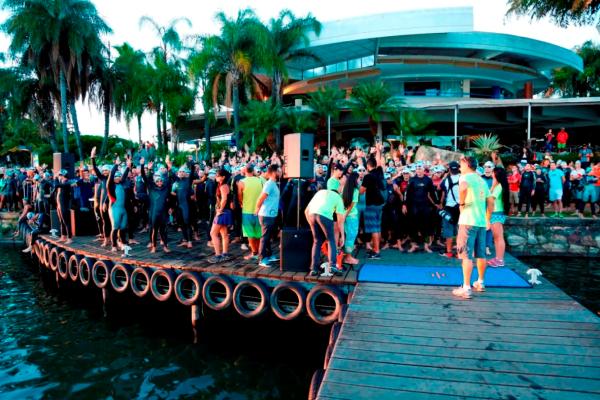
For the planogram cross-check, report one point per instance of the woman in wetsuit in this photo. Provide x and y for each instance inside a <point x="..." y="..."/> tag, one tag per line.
<point x="117" y="211"/>
<point x="62" y="189"/>
<point x="101" y="199"/>
<point x="223" y="219"/>
<point x="182" y="189"/>
<point x="158" y="190"/>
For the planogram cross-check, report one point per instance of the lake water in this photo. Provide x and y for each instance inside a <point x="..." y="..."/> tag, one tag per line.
<point x="57" y="344"/>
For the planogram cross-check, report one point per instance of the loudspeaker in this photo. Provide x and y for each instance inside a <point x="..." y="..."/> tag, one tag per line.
<point x="54" y="222"/>
<point x="298" y="155"/>
<point x="295" y="249"/>
<point x="83" y="223"/>
<point x="64" y="161"/>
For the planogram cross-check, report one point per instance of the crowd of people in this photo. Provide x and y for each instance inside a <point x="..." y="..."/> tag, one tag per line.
<point x="378" y="198"/>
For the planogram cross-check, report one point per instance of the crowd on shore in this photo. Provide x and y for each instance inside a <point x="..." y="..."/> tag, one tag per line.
<point x="378" y="198"/>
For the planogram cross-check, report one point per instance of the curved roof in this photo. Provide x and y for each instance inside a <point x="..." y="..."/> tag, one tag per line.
<point x="429" y="33"/>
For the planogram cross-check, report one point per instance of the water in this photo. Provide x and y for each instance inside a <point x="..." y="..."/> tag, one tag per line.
<point x="57" y="344"/>
<point x="578" y="277"/>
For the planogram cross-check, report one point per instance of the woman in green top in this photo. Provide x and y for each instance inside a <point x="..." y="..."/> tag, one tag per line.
<point x="500" y="192"/>
<point x="350" y="196"/>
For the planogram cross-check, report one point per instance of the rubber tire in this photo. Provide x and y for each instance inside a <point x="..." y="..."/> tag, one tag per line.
<point x="64" y="255"/>
<point x="343" y="312"/>
<point x="315" y="384"/>
<point x="310" y="306"/>
<point x="300" y="293"/>
<point x="73" y="260"/>
<point x="225" y="282"/>
<point x="85" y="264"/>
<point x="53" y="258"/>
<point x="334" y="333"/>
<point x="327" y="358"/>
<point x="196" y="279"/>
<point x="123" y="268"/>
<point x="153" y="287"/>
<point x="140" y="271"/>
<point x="46" y="255"/>
<point x="264" y="302"/>
<point x="107" y="265"/>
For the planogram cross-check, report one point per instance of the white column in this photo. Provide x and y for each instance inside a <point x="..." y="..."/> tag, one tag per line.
<point x="456" y="127"/>
<point x="528" y="122"/>
<point x="329" y="135"/>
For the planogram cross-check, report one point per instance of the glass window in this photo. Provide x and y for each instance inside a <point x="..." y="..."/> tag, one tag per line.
<point x="354" y="64"/>
<point x="319" y="71"/>
<point x="368" y="61"/>
<point x="341" y="66"/>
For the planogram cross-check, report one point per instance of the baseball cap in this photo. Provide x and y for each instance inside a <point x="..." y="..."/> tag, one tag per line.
<point x="454" y="166"/>
<point x="488" y="164"/>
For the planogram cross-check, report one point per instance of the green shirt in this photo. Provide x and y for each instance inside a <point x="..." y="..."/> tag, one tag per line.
<point x="251" y="193"/>
<point x="354" y="211"/>
<point x="498" y="203"/>
<point x="325" y="203"/>
<point x="473" y="213"/>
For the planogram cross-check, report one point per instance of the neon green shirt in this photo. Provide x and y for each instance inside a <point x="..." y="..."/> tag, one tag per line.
<point x="252" y="190"/>
<point x="325" y="203"/>
<point x="498" y="202"/>
<point x="473" y="213"/>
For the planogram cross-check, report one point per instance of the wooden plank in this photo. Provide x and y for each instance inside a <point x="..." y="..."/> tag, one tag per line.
<point x="349" y="391"/>
<point x="488" y="353"/>
<point x="558" y="383"/>
<point x="453" y="388"/>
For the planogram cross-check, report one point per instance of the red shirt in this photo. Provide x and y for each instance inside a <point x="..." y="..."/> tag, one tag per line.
<point x="562" y="137"/>
<point x="514" y="181"/>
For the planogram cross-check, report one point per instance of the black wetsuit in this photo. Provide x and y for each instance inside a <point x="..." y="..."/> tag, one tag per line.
<point x="419" y="205"/>
<point x="183" y="192"/>
<point x="117" y="211"/>
<point x="158" y="208"/>
<point x="102" y="197"/>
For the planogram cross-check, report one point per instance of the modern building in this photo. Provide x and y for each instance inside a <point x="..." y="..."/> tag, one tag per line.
<point x="468" y="81"/>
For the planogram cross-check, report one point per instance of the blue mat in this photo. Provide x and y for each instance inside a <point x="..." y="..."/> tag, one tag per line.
<point x="437" y="276"/>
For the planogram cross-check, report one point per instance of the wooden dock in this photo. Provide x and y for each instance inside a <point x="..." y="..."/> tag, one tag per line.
<point x="418" y="342"/>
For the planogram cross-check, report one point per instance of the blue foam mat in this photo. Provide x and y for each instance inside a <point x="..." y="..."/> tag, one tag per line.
<point x="437" y="276"/>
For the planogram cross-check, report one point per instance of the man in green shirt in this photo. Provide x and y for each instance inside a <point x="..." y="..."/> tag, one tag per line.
<point x="476" y="206"/>
<point x="319" y="214"/>
<point x="249" y="189"/>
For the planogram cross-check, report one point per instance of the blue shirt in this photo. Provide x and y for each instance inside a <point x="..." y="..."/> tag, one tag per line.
<point x="555" y="178"/>
<point x="270" y="206"/>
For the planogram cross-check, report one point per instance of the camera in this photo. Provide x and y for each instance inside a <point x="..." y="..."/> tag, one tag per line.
<point x="445" y="215"/>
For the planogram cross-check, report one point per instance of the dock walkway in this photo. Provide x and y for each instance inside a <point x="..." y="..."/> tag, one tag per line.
<point x="418" y="342"/>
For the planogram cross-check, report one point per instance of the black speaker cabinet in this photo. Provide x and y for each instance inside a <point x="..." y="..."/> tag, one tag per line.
<point x="298" y="156"/>
<point x="64" y="161"/>
<point x="54" y="222"/>
<point x="295" y="249"/>
<point x="83" y="223"/>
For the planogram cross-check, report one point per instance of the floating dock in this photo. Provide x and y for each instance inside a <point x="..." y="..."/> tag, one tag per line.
<point x="419" y="342"/>
<point x="388" y="340"/>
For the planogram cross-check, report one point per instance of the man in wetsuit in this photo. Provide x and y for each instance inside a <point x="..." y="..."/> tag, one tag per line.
<point x="420" y="200"/>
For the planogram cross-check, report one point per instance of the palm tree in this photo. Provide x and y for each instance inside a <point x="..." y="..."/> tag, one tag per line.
<point x="298" y="120"/>
<point x="131" y="91"/>
<point x="325" y="103"/>
<point x="570" y="82"/>
<point x="199" y="69"/>
<point x="372" y="100"/>
<point x="234" y="54"/>
<point x="260" y="118"/>
<point x="57" y="38"/>
<point x="171" y="44"/>
<point x="286" y="35"/>
<point x="410" y="122"/>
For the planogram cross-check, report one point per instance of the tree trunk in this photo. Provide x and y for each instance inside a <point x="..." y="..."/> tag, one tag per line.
<point x="372" y="126"/>
<point x="207" y="133"/>
<point x="51" y="128"/>
<point x="236" y="112"/>
<point x="164" y="130"/>
<point x="63" y="110"/>
<point x="104" y="147"/>
<point x="175" y="139"/>
<point x="276" y="95"/>
<point x="2" y="126"/>
<point x="139" y="123"/>
<point x="158" y="132"/>
<point x="76" y="129"/>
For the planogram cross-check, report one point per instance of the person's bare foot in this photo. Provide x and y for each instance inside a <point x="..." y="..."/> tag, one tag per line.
<point x="149" y="245"/>
<point x="133" y="241"/>
<point x="413" y="248"/>
<point x="152" y="249"/>
<point x="183" y="244"/>
<point x="166" y="249"/>
<point x="427" y="249"/>
<point x="68" y="241"/>
<point x="114" y="250"/>
<point x="189" y="245"/>
<point x="350" y="260"/>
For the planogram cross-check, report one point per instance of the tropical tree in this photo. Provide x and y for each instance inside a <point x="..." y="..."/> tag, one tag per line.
<point x="484" y="145"/>
<point x="171" y="44"/>
<point x="562" y="12"/>
<point x="298" y="120"/>
<point x="200" y="69"/>
<point x="326" y="103"/>
<point x="372" y="100"/>
<point x="570" y="82"/>
<point x="287" y="40"/>
<point x="411" y="122"/>
<point x="178" y="99"/>
<point x="234" y="53"/>
<point x="259" y="120"/>
<point x="59" y="39"/>
<point x="131" y="91"/>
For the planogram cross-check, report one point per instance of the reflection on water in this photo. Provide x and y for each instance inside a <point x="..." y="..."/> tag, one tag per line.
<point x="57" y="344"/>
<point x="578" y="277"/>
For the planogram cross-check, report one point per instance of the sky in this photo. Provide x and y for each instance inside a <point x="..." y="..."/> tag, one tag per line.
<point x="123" y="17"/>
